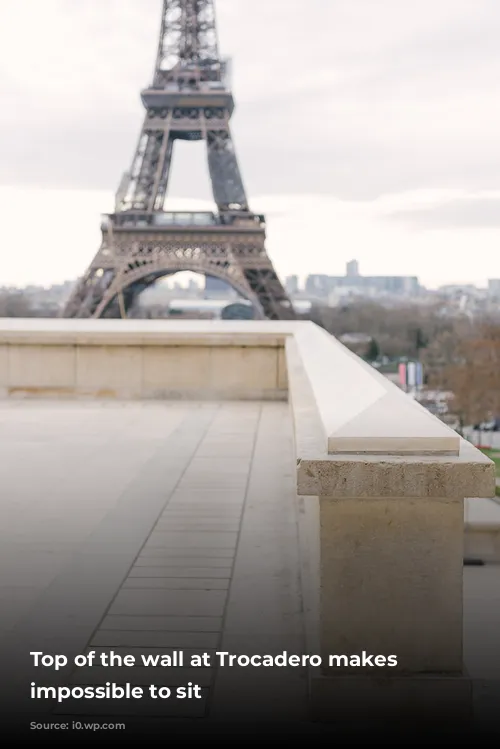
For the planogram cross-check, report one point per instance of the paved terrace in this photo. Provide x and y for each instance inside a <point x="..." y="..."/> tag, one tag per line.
<point x="154" y="525"/>
<point x="172" y="526"/>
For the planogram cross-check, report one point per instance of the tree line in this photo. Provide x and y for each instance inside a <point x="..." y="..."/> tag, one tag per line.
<point x="459" y="353"/>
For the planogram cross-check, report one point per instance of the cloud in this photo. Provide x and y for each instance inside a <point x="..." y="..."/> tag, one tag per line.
<point x="357" y="99"/>
<point x="466" y="213"/>
<point x="364" y="129"/>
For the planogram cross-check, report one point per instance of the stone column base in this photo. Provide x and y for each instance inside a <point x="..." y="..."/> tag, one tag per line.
<point x="433" y="699"/>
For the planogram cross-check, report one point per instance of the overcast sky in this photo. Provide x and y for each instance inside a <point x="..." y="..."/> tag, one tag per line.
<point x="365" y="129"/>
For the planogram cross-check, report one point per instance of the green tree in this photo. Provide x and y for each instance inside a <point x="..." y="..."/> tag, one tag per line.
<point x="421" y="341"/>
<point x="373" y="352"/>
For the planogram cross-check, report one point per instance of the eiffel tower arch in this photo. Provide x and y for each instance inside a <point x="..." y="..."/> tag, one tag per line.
<point x="190" y="99"/>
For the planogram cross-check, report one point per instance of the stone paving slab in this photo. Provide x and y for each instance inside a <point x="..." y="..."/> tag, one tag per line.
<point x="184" y="556"/>
<point x="165" y="602"/>
<point x="143" y="676"/>
<point x="192" y="540"/>
<point x="264" y="611"/>
<point x="175" y="583"/>
<point x="169" y="523"/>
<point x="139" y="572"/>
<point x="165" y="560"/>
<point x="150" y="638"/>
<point x="147" y="651"/>
<point x="163" y="623"/>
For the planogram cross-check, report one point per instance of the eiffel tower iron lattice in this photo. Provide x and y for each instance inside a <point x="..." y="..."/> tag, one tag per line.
<point x="190" y="99"/>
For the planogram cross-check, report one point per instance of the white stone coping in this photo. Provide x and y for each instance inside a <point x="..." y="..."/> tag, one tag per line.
<point x="374" y="456"/>
<point x="482" y="515"/>
<point x="355" y="431"/>
<point x="361" y="411"/>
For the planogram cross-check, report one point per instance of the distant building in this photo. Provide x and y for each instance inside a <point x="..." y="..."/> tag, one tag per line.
<point x="292" y="284"/>
<point x="352" y="269"/>
<point x="238" y="311"/>
<point x="319" y="285"/>
<point x="323" y="285"/>
<point x="219" y="308"/>
<point x="302" y="307"/>
<point x="458" y="289"/>
<point x="494" y="287"/>
<point x="195" y="309"/>
<point x="217" y="289"/>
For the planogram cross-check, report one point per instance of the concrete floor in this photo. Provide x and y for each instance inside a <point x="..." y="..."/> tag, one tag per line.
<point x="151" y="527"/>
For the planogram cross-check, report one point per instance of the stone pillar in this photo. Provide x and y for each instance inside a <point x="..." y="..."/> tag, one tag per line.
<point x="390" y="584"/>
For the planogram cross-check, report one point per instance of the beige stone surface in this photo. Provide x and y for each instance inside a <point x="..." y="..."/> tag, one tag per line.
<point x="135" y="372"/>
<point x="109" y="368"/>
<point x="175" y="367"/>
<point x="41" y="366"/>
<point x="391" y="476"/>
<point x="282" y="369"/>
<point x="4" y="368"/>
<point x="391" y="581"/>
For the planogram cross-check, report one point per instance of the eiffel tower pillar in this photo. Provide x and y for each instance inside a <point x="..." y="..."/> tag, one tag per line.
<point x="189" y="99"/>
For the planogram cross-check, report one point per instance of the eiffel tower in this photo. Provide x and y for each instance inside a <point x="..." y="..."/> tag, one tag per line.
<point x="190" y="99"/>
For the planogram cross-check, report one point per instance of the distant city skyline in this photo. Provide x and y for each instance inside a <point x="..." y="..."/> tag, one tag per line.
<point x="401" y="173"/>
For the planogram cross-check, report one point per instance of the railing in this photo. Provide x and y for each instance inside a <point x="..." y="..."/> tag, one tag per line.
<point x="138" y="219"/>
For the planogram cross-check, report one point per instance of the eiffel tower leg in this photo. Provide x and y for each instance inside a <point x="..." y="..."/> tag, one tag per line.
<point x="148" y="179"/>
<point x="229" y="193"/>
<point x="227" y="185"/>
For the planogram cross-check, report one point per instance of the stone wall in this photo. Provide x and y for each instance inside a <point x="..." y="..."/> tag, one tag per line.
<point x="142" y="371"/>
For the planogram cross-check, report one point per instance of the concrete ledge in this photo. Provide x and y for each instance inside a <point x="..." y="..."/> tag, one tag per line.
<point x="356" y="434"/>
<point x="39" y="331"/>
<point x="127" y="360"/>
<point x="360" y="410"/>
<point x="416" y="699"/>
<point x="390" y="476"/>
<point x="470" y="473"/>
<point x="482" y="530"/>
<point x="211" y="394"/>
